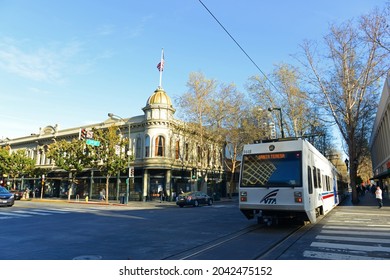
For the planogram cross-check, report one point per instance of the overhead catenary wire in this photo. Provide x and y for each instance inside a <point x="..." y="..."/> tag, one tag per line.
<point x="241" y="48"/>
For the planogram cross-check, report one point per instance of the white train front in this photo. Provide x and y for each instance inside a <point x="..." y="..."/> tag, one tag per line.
<point x="287" y="179"/>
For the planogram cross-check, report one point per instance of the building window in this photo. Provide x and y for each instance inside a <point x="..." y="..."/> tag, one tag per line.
<point x="186" y="151"/>
<point x="147" y="146"/>
<point x="138" y="146"/>
<point x="159" y="146"/>
<point x="177" y="149"/>
<point x="199" y="154"/>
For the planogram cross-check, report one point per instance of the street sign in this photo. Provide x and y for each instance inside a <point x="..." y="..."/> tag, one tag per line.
<point x="92" y="142"/>
<point x="89" y="134"/>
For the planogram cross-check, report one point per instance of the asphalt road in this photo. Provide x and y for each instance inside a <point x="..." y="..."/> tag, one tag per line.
<point x="63" y="231"/>
<point x="147" y="231"/>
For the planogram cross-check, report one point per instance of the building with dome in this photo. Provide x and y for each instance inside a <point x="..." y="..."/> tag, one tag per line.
<point x="166" y="155"/>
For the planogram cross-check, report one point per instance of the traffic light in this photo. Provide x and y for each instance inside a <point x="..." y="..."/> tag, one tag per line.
<point x="193" y="173"/>
<point x="131" y="172"/>
<point x="83" y="134"/>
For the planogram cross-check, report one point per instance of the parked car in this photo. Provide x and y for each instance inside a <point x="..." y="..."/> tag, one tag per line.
<point x="6" y="198"/>
<point x="194" y="198"/>
<point x="18" y="194"/>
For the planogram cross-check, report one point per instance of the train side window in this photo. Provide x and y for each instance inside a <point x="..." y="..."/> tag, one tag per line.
<point x="319" y="178"/>
<point x="315" y="177"/>
<point x="324" y="186"/>
<point x="309" y="180"/>
<point x="327" y="183"/>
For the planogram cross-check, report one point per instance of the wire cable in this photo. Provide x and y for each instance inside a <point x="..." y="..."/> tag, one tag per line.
<point x="241" y="48"/>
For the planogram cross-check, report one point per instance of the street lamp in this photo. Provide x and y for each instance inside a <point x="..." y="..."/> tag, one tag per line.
<point x="281" y="119"/>
<point x="346" y="161"/>
<point x="113" y="116"/>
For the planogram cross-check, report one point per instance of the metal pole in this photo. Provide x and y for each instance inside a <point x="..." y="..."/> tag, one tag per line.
<point x="281" y="122"/>
<point x="128" y="165"/>
<point x="281" y="119"/>
<point x="111" y="115"/>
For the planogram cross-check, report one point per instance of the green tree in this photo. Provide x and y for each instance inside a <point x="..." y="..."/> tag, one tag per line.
<point x="5" y="159"/>
<point x="71" y="157"/>
<point x="110" y="156"/>
<point x="19" y="165"/>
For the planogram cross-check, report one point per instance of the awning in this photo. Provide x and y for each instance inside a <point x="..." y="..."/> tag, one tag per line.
<point x="382" y="175"/>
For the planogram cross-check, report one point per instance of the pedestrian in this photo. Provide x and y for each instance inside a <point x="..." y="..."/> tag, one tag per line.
<point x="378" y="196"/>
<point x="162" y="196"/>
<point x="102" y="194"/>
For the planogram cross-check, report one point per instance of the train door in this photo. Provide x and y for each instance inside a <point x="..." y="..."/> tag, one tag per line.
<point x="310" y="186"/>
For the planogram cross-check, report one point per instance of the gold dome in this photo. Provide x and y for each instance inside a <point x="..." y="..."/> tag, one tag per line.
<point x="159" y="97"/>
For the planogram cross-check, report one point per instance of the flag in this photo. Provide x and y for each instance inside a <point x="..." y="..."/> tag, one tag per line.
<point x="160" y="65"/>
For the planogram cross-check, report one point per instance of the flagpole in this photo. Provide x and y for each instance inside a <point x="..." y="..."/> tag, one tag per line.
<point x="162" y="67"/>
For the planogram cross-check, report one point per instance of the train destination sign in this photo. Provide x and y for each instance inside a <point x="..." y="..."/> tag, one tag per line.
<point x="271" y="156"/>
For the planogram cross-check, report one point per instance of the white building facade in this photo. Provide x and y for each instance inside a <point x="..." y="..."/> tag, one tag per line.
<point x="166" y="155"/>
<point x="380" y="138"/>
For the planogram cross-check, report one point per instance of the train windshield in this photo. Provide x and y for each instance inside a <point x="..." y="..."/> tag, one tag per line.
<point x="268" y="170"/>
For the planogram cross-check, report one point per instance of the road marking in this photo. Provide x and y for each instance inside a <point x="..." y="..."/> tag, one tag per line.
<point x="341" y="246"/>
<point x="50" y="211"/>
<point x="362" y="229"/>
<point x="31" y="212"/>
<point x="335" y="256"/>
<point x="353" y="239"/>
<point x="350" y="232"/>
<point x="11" y="214"/>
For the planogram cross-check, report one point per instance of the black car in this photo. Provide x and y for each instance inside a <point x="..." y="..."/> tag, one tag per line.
<point x="17" y="194"/>
<point x="194" y="198"/>
<point x="6" y="198"/>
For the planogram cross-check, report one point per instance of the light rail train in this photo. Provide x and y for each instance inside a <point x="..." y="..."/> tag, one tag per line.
<point x="287" y="179"/>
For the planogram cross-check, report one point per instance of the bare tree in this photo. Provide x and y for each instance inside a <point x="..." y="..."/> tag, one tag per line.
<point x="346" y="78"/>
<point x="220" y="117"/>
<point x="195" y="109"/>
<point x="232" y="124"/>
<point x="300" y="117"/>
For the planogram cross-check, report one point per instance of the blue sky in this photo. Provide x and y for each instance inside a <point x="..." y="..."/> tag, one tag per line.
<point x="70" y="62"/>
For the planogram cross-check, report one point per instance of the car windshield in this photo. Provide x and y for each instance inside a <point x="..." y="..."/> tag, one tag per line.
<point x="3" y="190"/>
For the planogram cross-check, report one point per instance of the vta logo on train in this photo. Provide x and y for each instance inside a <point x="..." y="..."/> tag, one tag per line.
<point x="270" y="198"/>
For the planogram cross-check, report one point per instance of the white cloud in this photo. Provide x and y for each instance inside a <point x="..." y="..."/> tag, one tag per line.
<point x="48" y="63"/>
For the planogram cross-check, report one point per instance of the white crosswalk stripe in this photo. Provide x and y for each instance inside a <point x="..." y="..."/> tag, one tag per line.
<point x="348" y="237"/>
<point x="44" y="212"/>
<point x="8" y="215"/>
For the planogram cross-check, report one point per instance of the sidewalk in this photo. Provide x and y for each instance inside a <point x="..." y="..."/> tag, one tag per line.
<point x="367" y="199"/>
<point x="150" y="203"/>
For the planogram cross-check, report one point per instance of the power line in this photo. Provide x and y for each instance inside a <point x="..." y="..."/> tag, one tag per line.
<point x="235" y="41"/>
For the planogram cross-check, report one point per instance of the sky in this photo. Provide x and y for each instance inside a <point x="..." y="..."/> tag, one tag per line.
<point x="71" y="62"/>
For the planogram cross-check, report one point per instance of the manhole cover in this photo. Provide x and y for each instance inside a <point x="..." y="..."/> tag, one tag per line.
<point x="88" y="257"/>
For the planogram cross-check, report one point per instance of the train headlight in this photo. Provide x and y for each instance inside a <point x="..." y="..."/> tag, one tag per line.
<point x="243" y="196"/>
<point x="298" y="197"/>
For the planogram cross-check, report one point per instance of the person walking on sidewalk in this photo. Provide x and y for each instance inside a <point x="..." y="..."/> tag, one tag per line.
<point x="378" y="196"/>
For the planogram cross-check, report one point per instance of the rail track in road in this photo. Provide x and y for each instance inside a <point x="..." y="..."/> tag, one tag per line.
<point x="251" y="243"/>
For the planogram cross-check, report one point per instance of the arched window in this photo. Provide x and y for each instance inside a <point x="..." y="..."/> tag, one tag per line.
<point x="138" y="147"/>
<point x="159" y="147"/>
<point x="147" y="146"/>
